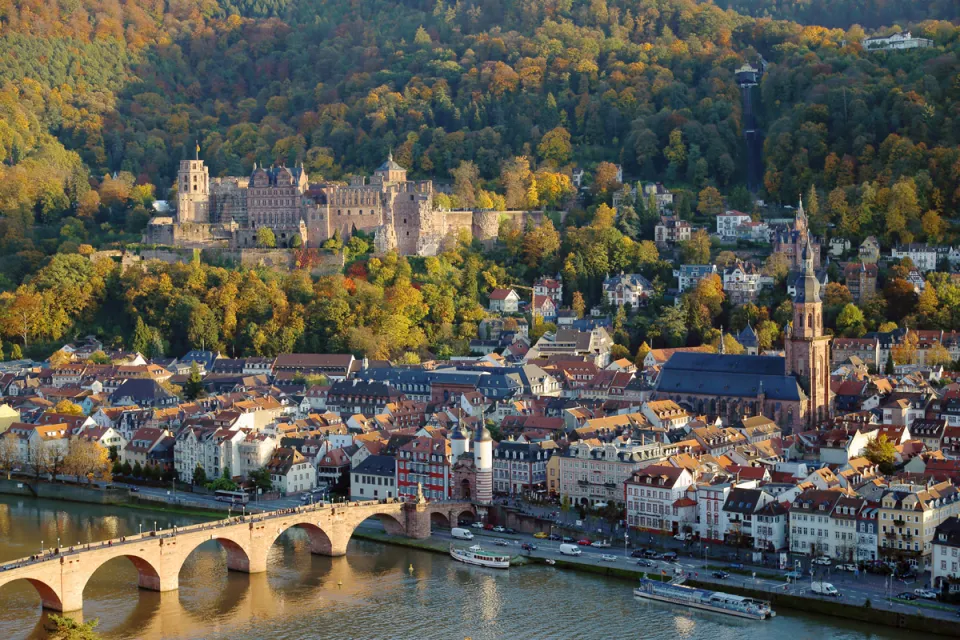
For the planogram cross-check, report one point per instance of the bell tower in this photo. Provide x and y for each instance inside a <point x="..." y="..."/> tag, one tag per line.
<point x="193" y="191"/>
<point x="807" y="349"/>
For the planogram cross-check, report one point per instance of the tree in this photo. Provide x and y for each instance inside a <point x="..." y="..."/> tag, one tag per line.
<point x="881" y="452"/>
<point x="696" y="250"/>
<point x="199" y="476"/>
<point x="851" y="322"/>
<point x="65" y="628"/>
<point x="675" y="152"/>
<point x="938" y="355"/>
<point x="628" y="222"/>
<point x="266" y="238"/>
<point x="605" y="178"/>
<point x="261" y="479"/>
<point x="555" y="147"/>
<point x="39" y="458"/>
<point x="68" y="408"/>
<point x="710" y="202"/>
<point x="579" y="306"/>
<point x="21" y="314"/>
<point x="776" y="266"/>
<point x="642" y="352"/>
<point x="540" y="243"/>
<point x="88" y="459"/>
<point x="9" y="453"/>
<point x="465" y="179"/>
<point x="137" y="470"/>
<point x="193" y="388"/>
<point x="142" y="338"/>
<point x="888" y="365"/>
<point x="59" y="358"/>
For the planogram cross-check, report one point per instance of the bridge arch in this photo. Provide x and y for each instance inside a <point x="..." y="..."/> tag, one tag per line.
<point x="237" y="557"/>
<point x="464" y="513"/>
<point x="320" y="541"/>
<point x="392" y="523"/>
<point x="49" y="597"/>
<point x="148" y="577"/>
<point x="439" y="519"/>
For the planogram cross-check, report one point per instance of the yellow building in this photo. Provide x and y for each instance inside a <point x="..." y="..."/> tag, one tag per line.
<point x="909" y="516"/>
<point x="8" y="415"/>
<point x="553" y="475"/>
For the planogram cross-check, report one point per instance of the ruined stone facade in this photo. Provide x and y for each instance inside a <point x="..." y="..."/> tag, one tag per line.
<point x="398" y="212"/>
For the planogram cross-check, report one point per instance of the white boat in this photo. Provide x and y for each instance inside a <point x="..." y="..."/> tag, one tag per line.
<point x="716" y="601"/>
<point x="476" y="555"/>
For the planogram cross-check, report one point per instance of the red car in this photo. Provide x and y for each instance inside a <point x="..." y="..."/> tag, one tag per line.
<point x="488" y="527"/>
<point x="583" y="543"/>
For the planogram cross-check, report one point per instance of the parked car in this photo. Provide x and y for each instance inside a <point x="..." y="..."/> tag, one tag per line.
<point x="540" y="535"/>
<point x="669" y="555"/>
<point x="488" y="527"/>
<point x="793" y="575"/>
<point x="737" y="565"/>
<point x="650" y="553"/>
<point x="477" y="525"/>
<point x="134" y="489"/>
<point x="926" y="594"/>
<point x="500" y="529"/>
<point x="643" y="562"/>
<point x="500" y="542"/>
<point x="847" y="567"/>
<point x="526" y="546"/>
<point x="568" y="540"/>
<point x="601" y="544"/>
<point x="906" y="595"/>
<point x="555" y="536"/>
<point x="722" y="575"/>
<point x="607" y="557"/>
<point x="583" y="542"/>
<point x="509" y="530"/>
<point x="637" y="553"/>
<point x="823" y="561"/>
<point x="683" y="537"/>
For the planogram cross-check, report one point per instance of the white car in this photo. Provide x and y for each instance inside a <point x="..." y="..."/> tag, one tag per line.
<point x="926" y="594"/>
<point x="477" y="525"/>
<point x="847" y="567"/>
<point x="608" y="557"/>
<point x="822" y="560"/>
<point x="499" y="529"/>
<point x="600" y="544"/>
<point x="683" y="537"/>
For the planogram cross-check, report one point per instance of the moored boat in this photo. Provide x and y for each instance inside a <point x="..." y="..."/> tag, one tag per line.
<point x="477" y="556"/>
<point x="716" y="601"/>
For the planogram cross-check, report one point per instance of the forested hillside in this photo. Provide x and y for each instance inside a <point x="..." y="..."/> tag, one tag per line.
<point x="843" y="13"/>
<point x="100" y="99"/>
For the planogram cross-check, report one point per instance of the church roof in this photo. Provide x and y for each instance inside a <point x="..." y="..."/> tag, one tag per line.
<point x="748" y="337"/>
<point x="723" y="375"/>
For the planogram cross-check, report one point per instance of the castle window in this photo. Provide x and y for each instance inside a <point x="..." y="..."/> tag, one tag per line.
<point x="404" y="221"/>
<point x="411" y="196"/>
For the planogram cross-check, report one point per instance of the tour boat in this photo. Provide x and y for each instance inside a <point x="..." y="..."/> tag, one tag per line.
<point x="676" y="593"/>
<point x="476" y="555"/>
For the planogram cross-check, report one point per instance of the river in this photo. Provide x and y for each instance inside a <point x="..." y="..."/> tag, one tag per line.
<point x="369" y="594"/>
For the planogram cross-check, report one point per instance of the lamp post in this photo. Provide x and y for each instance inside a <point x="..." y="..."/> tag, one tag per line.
<point x="705" y="549"/>
<point x="141" y="529"/>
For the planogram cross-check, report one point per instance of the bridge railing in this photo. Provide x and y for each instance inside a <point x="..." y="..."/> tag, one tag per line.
<point x="46" y="555"/>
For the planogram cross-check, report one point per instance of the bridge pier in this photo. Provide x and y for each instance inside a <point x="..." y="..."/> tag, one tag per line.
<point x="418" y="520"/>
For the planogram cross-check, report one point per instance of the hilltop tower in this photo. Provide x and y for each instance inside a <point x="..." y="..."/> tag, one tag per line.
<point x="193" y="191"/>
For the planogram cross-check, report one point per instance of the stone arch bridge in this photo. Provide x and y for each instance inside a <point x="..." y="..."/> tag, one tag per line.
<point x="60" y="575"/>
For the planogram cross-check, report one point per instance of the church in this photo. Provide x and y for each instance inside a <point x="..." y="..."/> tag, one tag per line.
<point x="793" y="390"/>
<point x="792" y="240"/>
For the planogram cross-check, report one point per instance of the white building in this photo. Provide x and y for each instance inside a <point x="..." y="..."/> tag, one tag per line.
<point x="741" y="282"/>
<point x="729" y="222"/>
<point x="688" y="275"/>
<point x="374" y="479"/>
<point x="632" y="289"/>
<point x="253" y="452"/>
<point x="924" y="257"/>
<point x="291" y="472"/>
<point x="896" y="41"/>
<point x="657" y="499"/>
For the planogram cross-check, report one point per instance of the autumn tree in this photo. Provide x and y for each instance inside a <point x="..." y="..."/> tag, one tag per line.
<point x="540" y="243"/>
<point x="466" y="177"/>
<point x="851" y="322"/>
<point x="881" y="452"/>
<point x="709" y="202"/>
<point x="9" y="452"/>
<point x="68" y="408"/>
<point x="605" y="179"/>
<point x="905" y="352"/>
<point x="696" y="250"/>
<point x="555" y="147"/>
<point x="578" y="304"/>
<point x="938" y="355"/>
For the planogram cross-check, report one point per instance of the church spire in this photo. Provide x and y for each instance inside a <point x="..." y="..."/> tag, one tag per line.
<point x="723" y="349"/>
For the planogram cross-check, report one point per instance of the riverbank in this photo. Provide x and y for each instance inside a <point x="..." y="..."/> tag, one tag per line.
<point x="115" y="496"/>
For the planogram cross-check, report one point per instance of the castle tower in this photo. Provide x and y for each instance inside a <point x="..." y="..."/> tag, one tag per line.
<point x="390" y="171"/>
<point x="193" y="191"/>
<point x="483" y="460"/>
<point x="807" y="348"/>
<point x="459" y="442"/>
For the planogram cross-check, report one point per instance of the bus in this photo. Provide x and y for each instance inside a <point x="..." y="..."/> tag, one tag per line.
<point x="235" y="497"/>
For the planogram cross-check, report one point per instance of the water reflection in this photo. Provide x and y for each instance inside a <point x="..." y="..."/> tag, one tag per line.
<point x="302" y="595"/>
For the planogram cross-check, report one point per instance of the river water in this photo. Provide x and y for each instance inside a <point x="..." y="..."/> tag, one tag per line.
<point x="369" y="594"/>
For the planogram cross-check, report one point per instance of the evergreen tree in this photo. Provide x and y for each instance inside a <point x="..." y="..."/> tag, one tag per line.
<point x="888" y="367"/>
<point x="193" y="389"/>
<point x="628" y="222"/>
<point x="142" y="338"/>
<point x="199" y="476"/>
<point x="137" y="470"/>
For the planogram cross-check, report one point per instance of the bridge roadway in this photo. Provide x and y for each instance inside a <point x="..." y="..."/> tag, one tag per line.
<point x="60" y="575"/>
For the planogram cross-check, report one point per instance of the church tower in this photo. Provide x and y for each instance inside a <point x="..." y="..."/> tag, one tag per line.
<point x="807" y="348"/>
<point x="193" y="191"/>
